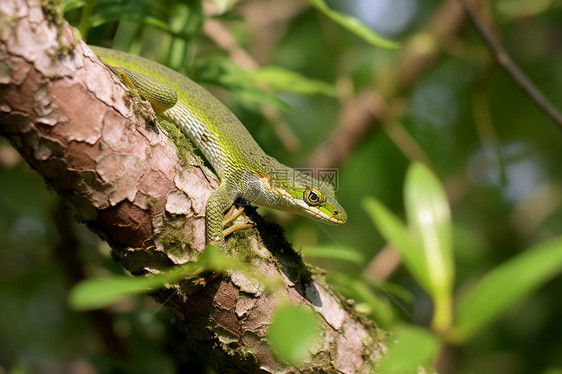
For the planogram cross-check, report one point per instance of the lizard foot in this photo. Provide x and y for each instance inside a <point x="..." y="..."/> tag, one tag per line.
<point x="230" y="216"/>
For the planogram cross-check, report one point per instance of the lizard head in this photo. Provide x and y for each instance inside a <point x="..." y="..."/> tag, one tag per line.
<point x="297" y="192"/>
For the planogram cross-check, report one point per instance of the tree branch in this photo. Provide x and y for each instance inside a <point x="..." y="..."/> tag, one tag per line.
<point x="502" y="57"/>
<point x="98" y="147"/>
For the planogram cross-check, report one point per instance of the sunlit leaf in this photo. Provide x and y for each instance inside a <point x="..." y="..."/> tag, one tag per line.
<point x="429" y="220"/>
<point x="393" y="230"/>
<point x="72" y="4"/>
<point x="223" y="5"/>
<point x="101" y="292"/>
<point x="139" y="15"/>
<point x="409" y="349"/>
<point x="279" y="79"/>
<point x="135" y="12"/>
<point x="354" y="25"/>
<point x="334" y="252"/>
<point x="375" y="299"/>
<point x="380" y="308"/>
<point x="227" y="74"/>
<point x="293" y="331"/>
<point x="522" y="8"/>
<point x="262" y="97"/>
<point x="506" y="285"/>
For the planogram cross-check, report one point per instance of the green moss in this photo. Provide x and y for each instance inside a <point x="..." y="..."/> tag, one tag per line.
<point x="53" y="12"/>
<point x="240" y="242"/>
<point x="174" y="241"/>
<point x="245" y="356"/>
<point x="184" y="147"/>
<point x="150" y="202"/>
<point x="7" y="21"/>
<point x="76" y="33"/>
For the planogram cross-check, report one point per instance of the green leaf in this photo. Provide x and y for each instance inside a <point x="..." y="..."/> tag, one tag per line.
<point x="129" y="13"/>
<point x="372" y="298"/>
<point x="292" y="332"/>
<point x="409" y="349"/>
<point x="68" y="5"/>
<point x="279" y="79"/>
<point x="429" y="220"/>
<point x="334" y="252"/>
<point x="380" y="308"/>
<point x="225" y="73"/>
<point x="101" y="292"/>
<point x="354" y="25"/>
<point x="506" y="285"/>
<point x="393" y="230"/>
<point x="223" y="5"/>
<point x="135" y="12"/>
<point x="261" y="97"/>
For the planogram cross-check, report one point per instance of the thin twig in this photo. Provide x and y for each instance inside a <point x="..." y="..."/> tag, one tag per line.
<point x="512" y="69"/>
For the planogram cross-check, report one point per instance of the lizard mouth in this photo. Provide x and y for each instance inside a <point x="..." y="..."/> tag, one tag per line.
<point x="319" y="215"/>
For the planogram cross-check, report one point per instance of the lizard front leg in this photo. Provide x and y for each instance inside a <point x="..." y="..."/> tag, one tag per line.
<point x="219" y="201"/>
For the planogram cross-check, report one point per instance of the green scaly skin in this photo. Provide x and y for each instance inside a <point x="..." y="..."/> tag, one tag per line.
<point x="243" y="167"/>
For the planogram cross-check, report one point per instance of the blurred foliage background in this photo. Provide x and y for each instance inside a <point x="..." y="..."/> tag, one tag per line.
<point x="314" y="94"/>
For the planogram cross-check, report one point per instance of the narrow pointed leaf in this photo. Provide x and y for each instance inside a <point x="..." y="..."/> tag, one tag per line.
<point x="225" y="73"/>
<point x="506" y="285"/>
<point x="394" y="231"/>
<point x="334" y="252"/>
<point x="429" y="220"/>
<point x="68" y="5"/>
<point x="101" y="292"/>
<point x="354" y="25"/>
<point x="279" y="79"/>
<point x="409" y="349"/>
<point x="292" y="333"/>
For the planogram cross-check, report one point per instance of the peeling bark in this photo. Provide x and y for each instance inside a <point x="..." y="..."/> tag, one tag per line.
<point x="98" y="147"/>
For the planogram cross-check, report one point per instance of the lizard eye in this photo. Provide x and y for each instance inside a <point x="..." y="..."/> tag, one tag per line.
<point x="312" y="197"/>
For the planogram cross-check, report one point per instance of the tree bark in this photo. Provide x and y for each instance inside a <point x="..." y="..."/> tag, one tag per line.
<point x="100" y="149"/>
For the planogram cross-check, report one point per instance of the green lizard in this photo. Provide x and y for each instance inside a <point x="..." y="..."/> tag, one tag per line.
<point x="243" y="167"/>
